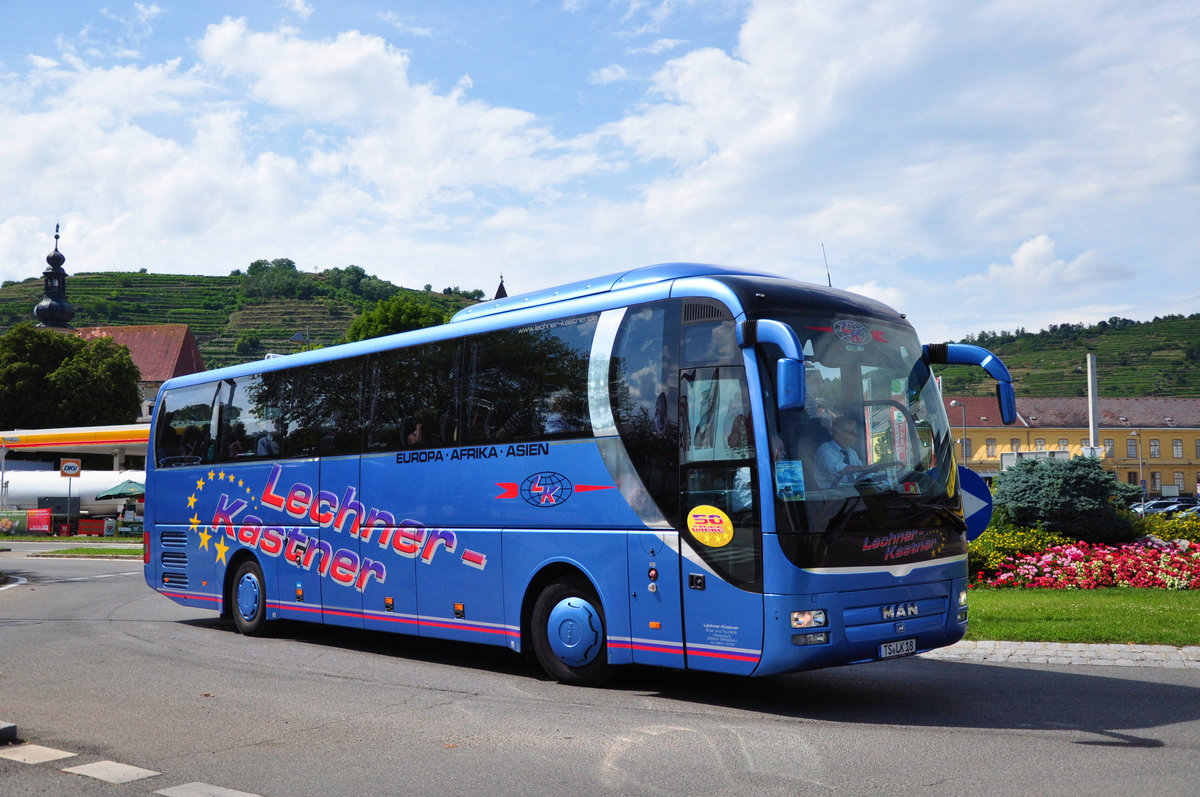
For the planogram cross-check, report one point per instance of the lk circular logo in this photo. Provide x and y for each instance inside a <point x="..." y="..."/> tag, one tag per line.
<point x="546" y="489"/>
<point x="852" y="332"/>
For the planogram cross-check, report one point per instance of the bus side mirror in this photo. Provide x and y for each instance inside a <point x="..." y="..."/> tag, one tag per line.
<point x="967" y="354"/>
<point x="789" y="370"/>
<point x="789" y="376"/>
<point x="1007" y="400"/>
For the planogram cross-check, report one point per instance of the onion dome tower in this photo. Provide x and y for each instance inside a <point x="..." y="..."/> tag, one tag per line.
<point x="54" y="310"/>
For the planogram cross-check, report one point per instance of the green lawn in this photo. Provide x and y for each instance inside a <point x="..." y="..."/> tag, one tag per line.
<point x="96" y="550"/>
<point x="1119" y="616"/>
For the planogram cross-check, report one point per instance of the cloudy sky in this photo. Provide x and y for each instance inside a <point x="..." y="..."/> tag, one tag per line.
<point x="977" y="165"/>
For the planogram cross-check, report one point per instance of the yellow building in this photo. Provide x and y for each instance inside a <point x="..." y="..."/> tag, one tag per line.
<point x="1152" y="439"/>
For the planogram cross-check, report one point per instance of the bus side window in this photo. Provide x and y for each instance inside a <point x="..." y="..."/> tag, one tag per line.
<point x="529" y="383"/>
<point x="410" y="397"/>
<point x="185" y="426"/>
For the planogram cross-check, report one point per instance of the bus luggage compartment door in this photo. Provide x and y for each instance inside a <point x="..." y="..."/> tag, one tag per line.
<point x="655" y="613"/>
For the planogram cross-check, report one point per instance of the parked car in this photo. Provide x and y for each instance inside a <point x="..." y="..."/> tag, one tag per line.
<point x="1152" y="507"/>
<point x="1189" y="512"/>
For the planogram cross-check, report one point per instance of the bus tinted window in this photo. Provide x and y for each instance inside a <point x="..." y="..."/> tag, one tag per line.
<point x="708" y="336"/>
<point x="327" y="410"/>
<point x="184" y="432"/>
<point x="527" y="383"/>
<point x="250" y="417"/>
<point x="644" y="397"/>
<point x="409" y="397"/>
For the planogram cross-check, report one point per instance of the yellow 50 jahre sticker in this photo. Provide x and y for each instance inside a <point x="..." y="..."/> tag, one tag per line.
<point x="710" y="526"/>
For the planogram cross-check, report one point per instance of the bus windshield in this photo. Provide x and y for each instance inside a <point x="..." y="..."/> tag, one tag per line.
<point x="870" y="453"/>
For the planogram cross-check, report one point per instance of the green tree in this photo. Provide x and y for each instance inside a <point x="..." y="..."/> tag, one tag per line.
<point x="50" y="379"/>
<point x="400" y="313"/>
<point x="277" y="277"/>
<point x="1075" y="498"/>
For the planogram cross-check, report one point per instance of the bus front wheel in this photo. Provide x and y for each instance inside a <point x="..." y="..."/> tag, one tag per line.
<point x="567" y="628"/>
<point x="249" y="599"/>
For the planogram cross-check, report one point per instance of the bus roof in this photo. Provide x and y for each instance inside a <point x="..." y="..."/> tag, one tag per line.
<point x="622" y="280"/>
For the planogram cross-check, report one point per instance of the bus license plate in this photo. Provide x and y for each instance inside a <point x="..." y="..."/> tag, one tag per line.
<point x="903" y="647"/>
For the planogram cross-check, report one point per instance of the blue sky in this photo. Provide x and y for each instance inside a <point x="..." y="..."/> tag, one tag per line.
<point x="977" y="165"/>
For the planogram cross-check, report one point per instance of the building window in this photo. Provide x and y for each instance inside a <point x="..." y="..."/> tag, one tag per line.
<point x="1198" y="448"/>
<point x="1179" y="480"/>
<point x="1131" y="448"/>
<point x="1110" y="446"/>
<point x="1154" y="448"/>
<point x="1132" y="477"/>
<point x="1155" y="481"/>
<point x="1064" y="445"/>
<point x="1177" y="448"/>
<point x="966" y="448"/>
<point x="991" y="448"/>
<point x="1040" y="443"/>
<point x="1014" y="444"/>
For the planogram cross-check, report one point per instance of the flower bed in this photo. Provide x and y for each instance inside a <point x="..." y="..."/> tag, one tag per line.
<point x="1174" y="565"/>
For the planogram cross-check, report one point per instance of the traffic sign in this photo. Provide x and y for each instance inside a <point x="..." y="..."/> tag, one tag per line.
<point x="977" y="501"/>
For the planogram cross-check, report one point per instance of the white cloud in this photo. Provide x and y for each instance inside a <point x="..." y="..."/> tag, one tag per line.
<point x="300" y="8"/>
<point x="146" y="13"/>
<point x="944" y="153"/>
<point x="1036" y="276"/>
<point x="657" y="47"/>
<point x="609" y="74"/>
<point x="398" y="22"/>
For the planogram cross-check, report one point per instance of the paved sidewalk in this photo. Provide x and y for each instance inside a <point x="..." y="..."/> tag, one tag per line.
<point x="1071" y="653"/>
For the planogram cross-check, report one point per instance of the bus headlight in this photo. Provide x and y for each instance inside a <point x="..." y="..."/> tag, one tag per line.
<point x="812" y="618"/>
<point x="962" y="606"/>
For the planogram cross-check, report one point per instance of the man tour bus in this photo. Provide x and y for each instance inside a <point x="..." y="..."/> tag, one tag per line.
<point x="681" y="465"/>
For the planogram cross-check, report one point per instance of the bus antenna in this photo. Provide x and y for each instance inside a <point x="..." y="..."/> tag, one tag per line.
<point x="828" y="279"/>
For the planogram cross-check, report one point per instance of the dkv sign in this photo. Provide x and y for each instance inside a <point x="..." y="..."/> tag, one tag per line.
<point x="70" y="467"/>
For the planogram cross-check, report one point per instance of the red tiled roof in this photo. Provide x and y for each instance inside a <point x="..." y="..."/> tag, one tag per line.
<point x="160" y="351"/>
<point x="1131" y="413"/>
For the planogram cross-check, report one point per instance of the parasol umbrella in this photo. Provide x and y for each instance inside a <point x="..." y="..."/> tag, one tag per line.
<point x="126" y="489"/>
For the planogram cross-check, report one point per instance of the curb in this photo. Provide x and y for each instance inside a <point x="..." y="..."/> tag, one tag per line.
<point x="136" y="558"/>
<point x="1163" y="656"/>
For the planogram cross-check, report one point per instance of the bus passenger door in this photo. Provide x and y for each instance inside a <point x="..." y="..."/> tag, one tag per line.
<point x="655" y="613"/>
<point x="720" y="543"/>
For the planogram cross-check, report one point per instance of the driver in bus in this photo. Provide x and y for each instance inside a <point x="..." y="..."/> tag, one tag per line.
<point x="837" y="459"/>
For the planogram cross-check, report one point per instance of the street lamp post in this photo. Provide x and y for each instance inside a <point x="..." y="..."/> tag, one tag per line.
<point x="963" y="407"/>
<point x="1136" y="433"/>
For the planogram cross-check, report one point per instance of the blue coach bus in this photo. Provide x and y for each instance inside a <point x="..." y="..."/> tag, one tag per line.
<point x="680" y="465"/>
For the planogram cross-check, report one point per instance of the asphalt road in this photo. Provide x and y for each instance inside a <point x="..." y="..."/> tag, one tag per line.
<point x="94" y="663"/>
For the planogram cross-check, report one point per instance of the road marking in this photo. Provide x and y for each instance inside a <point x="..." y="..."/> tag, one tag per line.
<point x="81" y="579"/>
<point x="19" y="581"/>
<point x="203" y="790"/>
<point x="34" y="754"/>
<point x="112" y="772"/>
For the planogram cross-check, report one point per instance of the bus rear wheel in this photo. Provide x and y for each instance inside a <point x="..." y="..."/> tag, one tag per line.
<point x="249" y="599"/>
<point x="567" y="629"/>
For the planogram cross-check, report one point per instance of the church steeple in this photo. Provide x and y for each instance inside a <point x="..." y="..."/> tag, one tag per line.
<point x="54" y="310"/>
<point x="500" y="292"/>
